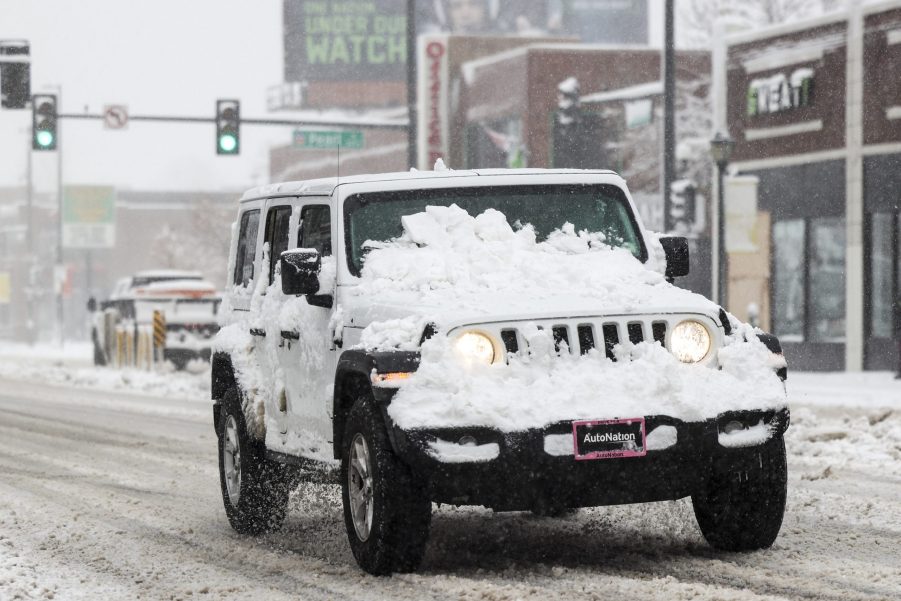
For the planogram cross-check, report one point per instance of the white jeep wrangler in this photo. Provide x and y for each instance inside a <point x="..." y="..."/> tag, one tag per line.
<point x="502" y="338"/>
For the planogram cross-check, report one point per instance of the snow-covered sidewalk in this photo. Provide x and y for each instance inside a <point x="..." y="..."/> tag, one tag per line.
<point x="72" y="366"/>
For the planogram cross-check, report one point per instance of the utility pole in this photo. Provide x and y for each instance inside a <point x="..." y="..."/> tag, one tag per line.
<point x="29" y="238"/>
<point x="412" y="154"/>
<point x="669" y="110"/>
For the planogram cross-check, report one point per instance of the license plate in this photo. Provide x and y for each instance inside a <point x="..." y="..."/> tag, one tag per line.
<point x="608" y="439"/>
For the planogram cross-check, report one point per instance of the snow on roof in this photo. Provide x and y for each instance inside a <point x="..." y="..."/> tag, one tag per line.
<point x="781" y="29"/>
<point x="325" y="186"/>
<point x="177" y="289"/>
<point x="642" y="90"/>
<point x="169" y="274"/>
<point x="197" y="285"/>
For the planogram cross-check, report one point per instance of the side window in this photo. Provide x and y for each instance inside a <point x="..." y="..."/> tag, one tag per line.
<point x="316" y="229"/>
<point x="277" y="235"/>
<point x="247" y="247"/>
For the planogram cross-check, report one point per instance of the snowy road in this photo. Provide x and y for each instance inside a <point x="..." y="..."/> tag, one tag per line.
<point x="111" y="495"/>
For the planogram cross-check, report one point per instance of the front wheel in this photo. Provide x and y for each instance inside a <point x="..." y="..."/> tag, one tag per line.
<point x="386" y="510"/>
<point x="742" y="509"/>
<point x="254" y="489"/>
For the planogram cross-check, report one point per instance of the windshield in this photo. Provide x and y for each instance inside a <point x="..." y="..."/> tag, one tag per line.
<point x="595" y="208"/>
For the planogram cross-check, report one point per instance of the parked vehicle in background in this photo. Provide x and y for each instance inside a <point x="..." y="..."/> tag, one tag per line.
<point x="189" y="305"/>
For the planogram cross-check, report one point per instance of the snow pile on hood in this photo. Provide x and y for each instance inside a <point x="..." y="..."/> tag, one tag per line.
<point x="543" y="388"/>
<point x="451" y="261"/>
<point x="396" y="334"/>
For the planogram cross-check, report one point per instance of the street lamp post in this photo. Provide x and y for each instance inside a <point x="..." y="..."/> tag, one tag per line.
<point x="721" y="150"/>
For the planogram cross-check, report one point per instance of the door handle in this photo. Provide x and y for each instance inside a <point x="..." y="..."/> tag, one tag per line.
<point x="290" y="335"/>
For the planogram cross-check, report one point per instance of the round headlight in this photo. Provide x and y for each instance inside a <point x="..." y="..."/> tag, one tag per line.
<point x="476" y="347"/>
<point x="690" y="341"/>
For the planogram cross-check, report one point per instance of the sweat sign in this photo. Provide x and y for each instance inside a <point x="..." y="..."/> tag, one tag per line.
<point x="340" y="40"/>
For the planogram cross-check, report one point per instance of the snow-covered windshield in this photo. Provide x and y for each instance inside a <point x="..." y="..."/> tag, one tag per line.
<point x="593" y="208"/>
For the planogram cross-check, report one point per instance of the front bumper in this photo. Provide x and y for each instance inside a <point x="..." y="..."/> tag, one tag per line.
<point x="531" y="469"/>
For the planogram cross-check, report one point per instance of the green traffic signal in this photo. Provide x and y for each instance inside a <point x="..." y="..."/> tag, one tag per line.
<point x="44" y="139"/>
<point x="228" y="143"/>
<point x="43" y="122"/>
<point x="228" y="127"/>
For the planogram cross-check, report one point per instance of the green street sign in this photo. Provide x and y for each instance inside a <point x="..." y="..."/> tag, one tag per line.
<point x="327" y="140"/>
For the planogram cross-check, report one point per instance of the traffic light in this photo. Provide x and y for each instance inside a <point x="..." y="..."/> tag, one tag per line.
<point x="680" y="206"/>
<point x="43" y="122"/>
<point x="228" y="127"/>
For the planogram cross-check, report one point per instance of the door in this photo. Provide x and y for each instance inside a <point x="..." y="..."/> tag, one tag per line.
<point x="245" y="259"/>
<point x="882" y="285"/>
<point x="307" y="351"/>
<point x="266" y="307"/>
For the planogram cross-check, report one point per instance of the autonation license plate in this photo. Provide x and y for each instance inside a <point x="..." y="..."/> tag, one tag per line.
<point x="609" y="438"/>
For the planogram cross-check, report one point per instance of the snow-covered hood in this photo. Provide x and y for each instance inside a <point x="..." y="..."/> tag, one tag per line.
<point x="452" y="269"/>
<point x="447" y="312"/>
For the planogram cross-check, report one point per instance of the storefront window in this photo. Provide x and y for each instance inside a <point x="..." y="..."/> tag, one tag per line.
<point x="827" y="280"/>
<point x="881" y="275"/>
<point x="788" y="276"/>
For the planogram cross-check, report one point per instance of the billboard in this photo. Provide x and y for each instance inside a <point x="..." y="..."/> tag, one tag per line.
<point x="607" y="21"/>
<point x="365" y="40"/>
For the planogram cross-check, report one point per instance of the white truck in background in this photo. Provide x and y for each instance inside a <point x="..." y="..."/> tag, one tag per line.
<point x="189" y="304"/>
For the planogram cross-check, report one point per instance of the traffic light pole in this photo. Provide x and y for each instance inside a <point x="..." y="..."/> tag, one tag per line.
<point x="412" y="157"/>
<point x="282" y="122"/>
<point x="669" y="110"/>
<point x="59" y="247"/>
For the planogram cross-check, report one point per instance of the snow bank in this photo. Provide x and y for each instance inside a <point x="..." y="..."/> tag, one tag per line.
<point x="178" y="385"/>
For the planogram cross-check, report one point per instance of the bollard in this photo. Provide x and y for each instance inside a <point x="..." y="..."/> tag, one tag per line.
<point x="120" y="346"/>
<point x="159" y="335"/>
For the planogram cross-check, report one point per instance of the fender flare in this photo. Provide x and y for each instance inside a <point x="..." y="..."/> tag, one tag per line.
<point x="353" y="380"/>
<point x="772" y="343"/>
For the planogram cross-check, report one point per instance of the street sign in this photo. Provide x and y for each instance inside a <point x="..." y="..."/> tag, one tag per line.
<point x="115" y="116"/>
<point x="313" y="139"/>
<point x="89" y="217"/>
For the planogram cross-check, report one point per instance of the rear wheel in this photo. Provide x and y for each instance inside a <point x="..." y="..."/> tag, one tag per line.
<point x="386" y="510"/>
<point x="742" y="510"/>
<point x="254" y="490"/>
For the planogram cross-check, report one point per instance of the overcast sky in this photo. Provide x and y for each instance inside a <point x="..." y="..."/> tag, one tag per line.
<point x="163" y="57"/>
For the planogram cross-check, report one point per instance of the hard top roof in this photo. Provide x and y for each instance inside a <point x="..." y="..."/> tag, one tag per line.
<point x="325" y="186"/>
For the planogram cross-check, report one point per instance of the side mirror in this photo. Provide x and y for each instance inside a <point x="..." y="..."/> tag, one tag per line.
<point x="92" y="304"/>
<point x="676" y="250"/>
<point x="300" y="271"/>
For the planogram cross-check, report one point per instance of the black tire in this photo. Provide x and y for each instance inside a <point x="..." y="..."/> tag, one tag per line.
<point x="742" y="510"/>
<point x="259" y="499"/>
<point x="401" y="509"/>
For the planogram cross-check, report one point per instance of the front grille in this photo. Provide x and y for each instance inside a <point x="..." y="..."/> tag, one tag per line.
<point x="579" y="336"/>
